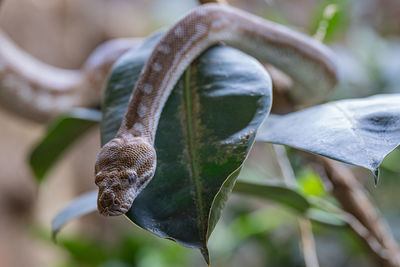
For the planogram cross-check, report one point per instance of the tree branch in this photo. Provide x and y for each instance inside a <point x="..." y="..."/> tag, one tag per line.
<point x="213" y="1"/>
<point x="305" y="227"/>
<point x="361" y="215"/>
<point x="307" y="242"/>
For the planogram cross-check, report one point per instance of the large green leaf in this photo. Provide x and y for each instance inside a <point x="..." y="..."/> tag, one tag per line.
<point x="358" y="131"/>
<point x="205" y="132"/>
<point x="63" y="132"/>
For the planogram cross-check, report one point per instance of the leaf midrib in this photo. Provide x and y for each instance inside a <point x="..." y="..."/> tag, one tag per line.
<point x="191" y="148"/>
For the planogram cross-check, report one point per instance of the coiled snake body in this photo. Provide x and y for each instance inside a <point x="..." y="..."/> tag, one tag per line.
<point x="37" y="91"/>
<point x="127" y="163"/>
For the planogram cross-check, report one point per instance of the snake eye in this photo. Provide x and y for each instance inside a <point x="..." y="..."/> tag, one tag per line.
<point x="132" y="178"/>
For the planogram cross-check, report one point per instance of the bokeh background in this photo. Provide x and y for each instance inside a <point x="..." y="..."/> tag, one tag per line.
<point x="365" y="35"/>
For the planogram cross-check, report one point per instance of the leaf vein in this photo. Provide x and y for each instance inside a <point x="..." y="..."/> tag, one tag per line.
<point x="191" y="147"/>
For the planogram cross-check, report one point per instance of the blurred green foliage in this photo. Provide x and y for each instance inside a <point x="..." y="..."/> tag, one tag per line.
<point x="330" y="19"/>
<point x="310" y="183"/>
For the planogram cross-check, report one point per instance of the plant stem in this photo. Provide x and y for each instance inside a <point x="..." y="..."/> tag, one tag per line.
<point x="305" y="227"/>
<point x="213" y="1"/>
<point x="361" y="215"/>
<point x="307" y="242"/>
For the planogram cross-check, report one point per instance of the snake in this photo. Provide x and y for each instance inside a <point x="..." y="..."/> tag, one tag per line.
<point x="127" y="163"/>
<point x="39" y="92"/>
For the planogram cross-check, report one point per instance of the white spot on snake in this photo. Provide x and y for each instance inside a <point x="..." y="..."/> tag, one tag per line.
<point x="156" y="66"/>
<point x="164" y="48"/>
<point x="194" y="42"/>
<point x="220" y="22"/>
<point x="201" y="12"/>
<point x="138" y="127"/>
<point x="142" y="109"/>
<point x="179" y="31"/>
<point x="147" y="88"/>
<point x="201" y="28"/>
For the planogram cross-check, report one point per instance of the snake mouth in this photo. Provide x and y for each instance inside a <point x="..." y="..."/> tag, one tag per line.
<point x="113" y="211"/>
<point x="109" y="205"/>
<point x="107" y="212"/>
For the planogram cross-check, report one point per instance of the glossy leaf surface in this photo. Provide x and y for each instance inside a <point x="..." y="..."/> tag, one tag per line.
<point x="357" y="131"/>
<point x="206" y="129"/>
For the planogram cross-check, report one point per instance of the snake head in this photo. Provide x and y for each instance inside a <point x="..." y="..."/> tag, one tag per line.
<point x="123" y="168"/>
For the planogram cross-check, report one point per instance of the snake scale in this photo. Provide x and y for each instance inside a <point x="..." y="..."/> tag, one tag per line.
<point x="127" y="163"/>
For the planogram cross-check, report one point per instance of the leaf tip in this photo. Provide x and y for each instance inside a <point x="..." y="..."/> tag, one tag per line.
<point x="37" y="173"/>
<point x="54" y="235"/>
<point x="206" y="255"/>
<point x="376" y="177"/>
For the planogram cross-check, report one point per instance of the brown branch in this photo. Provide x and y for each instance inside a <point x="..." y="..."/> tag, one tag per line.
<point x="361" y="215"/>
<point x="305" y="228"/>
<point x="307" y="242"/>
<point x="202" y="2"/>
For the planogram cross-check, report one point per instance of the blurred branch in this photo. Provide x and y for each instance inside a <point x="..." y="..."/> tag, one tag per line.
<point x="361" y="215"/>
<point x="307" y="242"/>
<point x="211" y="1"/>
<point x="285" y="165"/>
<point x="305" y="227"/>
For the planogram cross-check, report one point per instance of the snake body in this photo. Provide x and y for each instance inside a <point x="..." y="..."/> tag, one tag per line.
<point x="38" y="91"/>
<point x="127" y="163"/>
